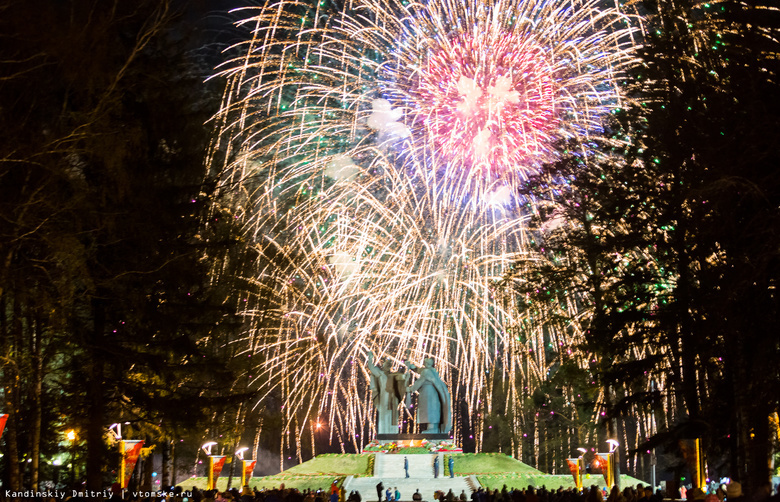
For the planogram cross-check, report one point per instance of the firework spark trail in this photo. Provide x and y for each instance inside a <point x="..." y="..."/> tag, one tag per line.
<point x="376" y="153"/>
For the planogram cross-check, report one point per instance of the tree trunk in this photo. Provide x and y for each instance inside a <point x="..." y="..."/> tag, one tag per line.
<point x="95" y="400"/>
<point x="164" y="471"/>
<point x="233" y="460"/>
<point x="10" y="387"/>
<point x="37" y="408"/>
<point x="758" y="447"/>
<point x="146" y="468"/>
<point x="11" y="443"/>
<point x="173" y="463"/>
<point x="238" y="430"/>
<point x="683" y="297"/>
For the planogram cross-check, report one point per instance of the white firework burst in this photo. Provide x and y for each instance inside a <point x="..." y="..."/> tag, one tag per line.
<point x="376" y="151"/>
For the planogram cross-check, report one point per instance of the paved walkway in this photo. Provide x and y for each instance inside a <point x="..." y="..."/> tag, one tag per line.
<point x="389" y="469"/>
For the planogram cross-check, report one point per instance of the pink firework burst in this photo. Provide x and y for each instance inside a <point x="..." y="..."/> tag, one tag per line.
<point x="488" y="100"/>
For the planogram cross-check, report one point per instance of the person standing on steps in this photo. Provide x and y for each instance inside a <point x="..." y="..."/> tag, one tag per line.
<point x="451" y="464"/>
<point x="397" y="494"/>
<point x="406" y="466"/>
<point x="379" y="489"/>
<point x="436" y="466"/>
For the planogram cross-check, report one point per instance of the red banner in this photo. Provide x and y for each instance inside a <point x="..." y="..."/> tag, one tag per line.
<point x="602" y="460"/>
<point x="132" y="450"/>
<point x="574" y="467"/>
<point x="3" y="419"/>
<point x="249" y="468"/>
<point x="219" y="463"/>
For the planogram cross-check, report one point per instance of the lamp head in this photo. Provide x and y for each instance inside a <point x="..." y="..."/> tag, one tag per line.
<point x="207" y="447"/>
<point x="116" y="431"/>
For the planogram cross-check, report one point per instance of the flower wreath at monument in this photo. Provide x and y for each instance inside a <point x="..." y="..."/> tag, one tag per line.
<point x="446" y="446"/>
<point x="376" y="446"/>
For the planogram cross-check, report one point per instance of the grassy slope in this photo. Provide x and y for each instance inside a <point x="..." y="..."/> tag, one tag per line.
<point x="494" y="470"/>
<point x="489" y="463"/>
<point x="332" y="464"/>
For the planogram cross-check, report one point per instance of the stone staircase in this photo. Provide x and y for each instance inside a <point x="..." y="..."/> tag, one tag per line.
<point x="389" y="469"/>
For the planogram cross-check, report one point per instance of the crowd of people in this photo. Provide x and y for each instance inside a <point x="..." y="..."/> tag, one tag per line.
<point x="641" y="493"/>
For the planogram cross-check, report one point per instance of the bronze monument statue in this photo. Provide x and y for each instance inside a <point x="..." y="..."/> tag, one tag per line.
<point x="388" y="389"/>
<point x="433" y="402"/>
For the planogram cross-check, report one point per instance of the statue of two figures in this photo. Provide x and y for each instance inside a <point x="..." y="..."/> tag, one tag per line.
<point x="389" y="389"/>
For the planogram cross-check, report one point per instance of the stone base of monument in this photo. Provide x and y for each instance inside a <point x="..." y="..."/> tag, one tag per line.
<point x="397" y="437"/>
<point x="434" y="442"/>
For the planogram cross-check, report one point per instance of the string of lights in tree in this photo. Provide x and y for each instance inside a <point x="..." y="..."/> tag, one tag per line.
<point x="377" y="150"/>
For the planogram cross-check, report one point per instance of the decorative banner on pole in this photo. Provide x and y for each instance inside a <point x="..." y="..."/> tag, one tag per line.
<point x="576" y="471"/>
<point x="604" y="461"/>
<point x="216" y="462"/>
<point x="130" y="450"/>
<point x="3" y="419"/>
<point x="247" y="471"/>
<point x="691" y="451"/>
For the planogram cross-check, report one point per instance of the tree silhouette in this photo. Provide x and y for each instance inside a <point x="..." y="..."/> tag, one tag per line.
<point x="669" y="238"/>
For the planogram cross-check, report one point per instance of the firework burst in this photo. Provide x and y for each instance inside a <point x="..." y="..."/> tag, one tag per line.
<point x="377" y="148"/>
<point x="488" y="100"/>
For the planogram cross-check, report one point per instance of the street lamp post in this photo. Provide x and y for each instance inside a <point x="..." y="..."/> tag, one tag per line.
<point x="614" y="473"/>
<point x="653" y="461"/>
<point x="215" y="464"/>
<point x="581" y="465"/>
<point x="246" y="465"/>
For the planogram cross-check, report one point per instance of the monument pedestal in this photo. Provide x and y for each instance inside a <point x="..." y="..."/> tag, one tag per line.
<point x="413" y="440"/>
<point x="420" y="437"/>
